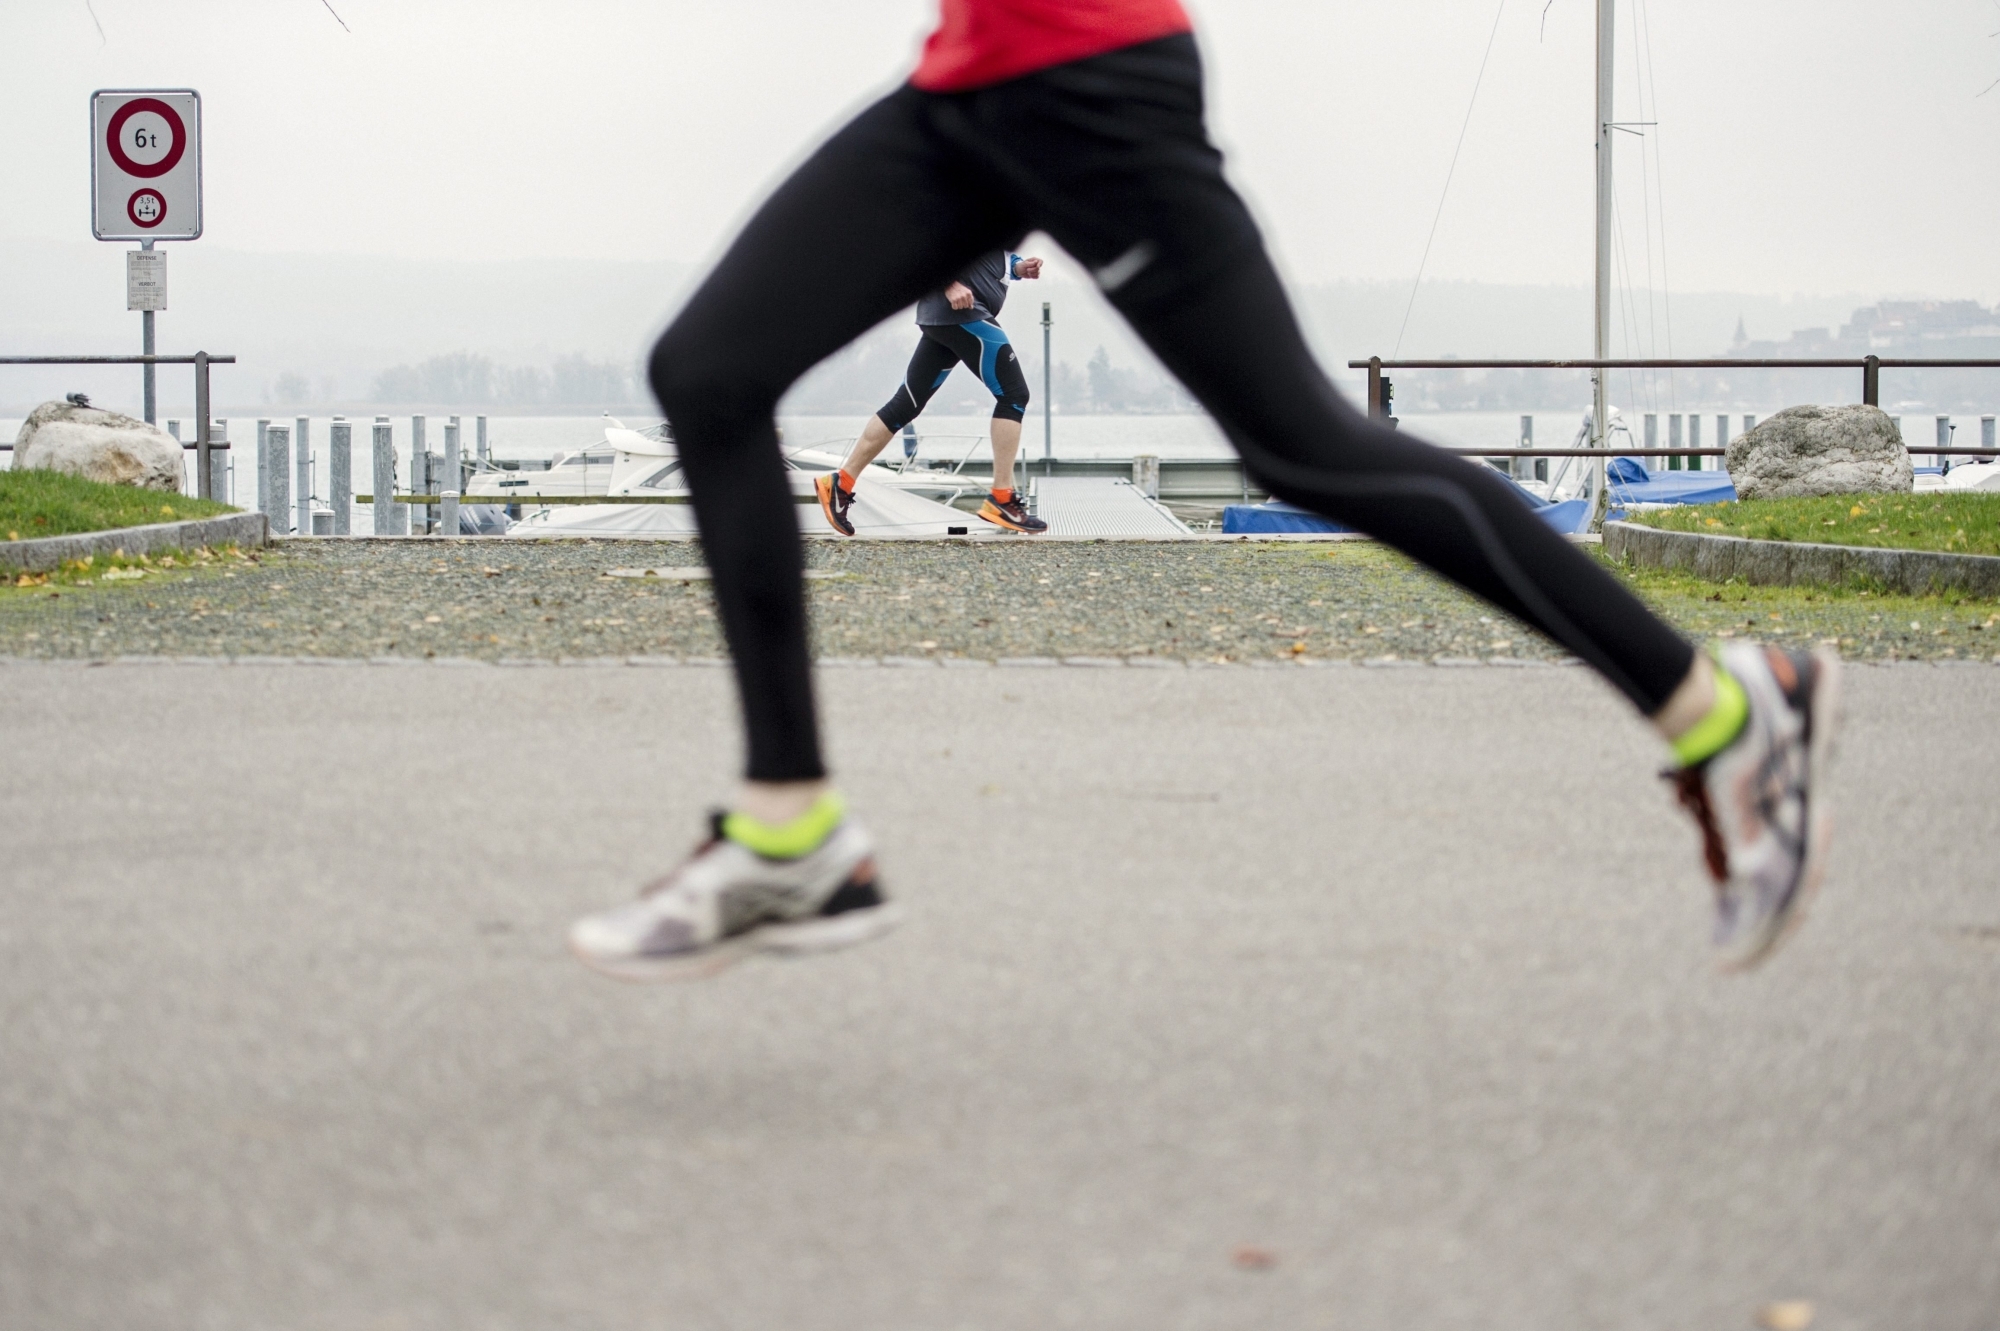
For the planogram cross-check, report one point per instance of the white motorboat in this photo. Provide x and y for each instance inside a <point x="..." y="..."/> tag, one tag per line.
<point x="881" y="507"/>
<point x="620" y="455"/>
<point x="626" y="457"/>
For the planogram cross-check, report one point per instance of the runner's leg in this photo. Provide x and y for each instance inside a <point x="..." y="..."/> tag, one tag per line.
<point x="902" y="216"/>
<point x="1109" y="155"/>
<point x="930" y="365"/>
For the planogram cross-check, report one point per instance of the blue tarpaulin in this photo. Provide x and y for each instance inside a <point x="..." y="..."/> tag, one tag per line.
<point x="1630" y="483"/>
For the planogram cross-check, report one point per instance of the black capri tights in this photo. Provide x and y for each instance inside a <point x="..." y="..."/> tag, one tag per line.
<point x="1110" y="157"/>
<point x="981" y="347"/>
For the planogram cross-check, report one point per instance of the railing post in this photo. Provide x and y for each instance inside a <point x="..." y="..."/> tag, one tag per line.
<point x="340" y="475"/>
<point x="204" y="482"/>
<point x="1375" y="412"/>
<point x="1871" y="381"/>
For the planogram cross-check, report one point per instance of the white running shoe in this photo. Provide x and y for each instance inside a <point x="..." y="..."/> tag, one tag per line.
<point x="726" y="901"/>
<point x="1763" y="817"/>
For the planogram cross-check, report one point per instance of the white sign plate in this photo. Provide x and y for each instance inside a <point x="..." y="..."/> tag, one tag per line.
<point x="145" y="164"/>
<point x="145" y="279"/>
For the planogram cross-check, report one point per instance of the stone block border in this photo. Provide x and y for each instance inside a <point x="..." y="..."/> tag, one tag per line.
<point x="1794" y="563"/>
<point x="245" y="530"/>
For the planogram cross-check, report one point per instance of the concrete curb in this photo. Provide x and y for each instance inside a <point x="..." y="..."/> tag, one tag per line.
<point x="1790" y="563"/>
<point x="1308" y="664"/>
<point x="48" y="552"/>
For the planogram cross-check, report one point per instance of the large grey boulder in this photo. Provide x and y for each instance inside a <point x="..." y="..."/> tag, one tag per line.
<point x="1820" y="451"/>
<point x="98" y="446"/>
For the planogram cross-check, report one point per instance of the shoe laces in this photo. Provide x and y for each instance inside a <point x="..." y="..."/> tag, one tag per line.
<point x="1691" y="789"/>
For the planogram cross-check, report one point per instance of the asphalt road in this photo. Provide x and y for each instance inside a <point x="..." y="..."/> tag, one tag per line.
<point x="1396" y="976"/>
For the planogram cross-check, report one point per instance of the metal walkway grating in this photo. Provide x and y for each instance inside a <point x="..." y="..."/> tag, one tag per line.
<point x="1094" y="506"/>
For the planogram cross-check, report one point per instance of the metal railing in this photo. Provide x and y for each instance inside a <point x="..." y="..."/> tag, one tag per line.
<point x="1871" y="368"/>
<point x="203" y="446"/>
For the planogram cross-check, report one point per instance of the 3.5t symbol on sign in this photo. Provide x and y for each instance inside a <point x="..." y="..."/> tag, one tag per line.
<point x="145" y="164"/>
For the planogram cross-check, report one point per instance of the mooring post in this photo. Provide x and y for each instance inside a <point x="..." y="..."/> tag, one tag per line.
<point x="1694" y="441"/>
<point x="221" y="463"/>
<point x="447" y="524"/>
<point x="264" y="470"/>
<point x="340" y="474"/>
<point x="1749" y="422"/>
<point x="1652" y="436"/>
<point x="1375" y="411"/>
<point x="278" y="481"/>
<point x="391" y="518"/>
<point x="1525" y="468"/>
<point x="1871" y="381"/>
<point x="420" y="476"/>
<point x="1986" y="435"/>
<point x="303" y="497"/>
<point x="1674" y="461"/>
<point x="1944" y="441"/>
<point x="1721" y="432"/>
<point x="479" y="439"/>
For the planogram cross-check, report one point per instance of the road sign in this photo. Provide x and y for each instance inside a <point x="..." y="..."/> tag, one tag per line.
<point x="145" y="164"/>
<point x="145" y="279"/>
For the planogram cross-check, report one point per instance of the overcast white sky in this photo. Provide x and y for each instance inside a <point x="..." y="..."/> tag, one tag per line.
<point x="1804" y="145"/>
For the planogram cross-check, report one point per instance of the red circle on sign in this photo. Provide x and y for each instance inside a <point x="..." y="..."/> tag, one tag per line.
<point x="117" y="127"/>
<point x="159" y="204"/>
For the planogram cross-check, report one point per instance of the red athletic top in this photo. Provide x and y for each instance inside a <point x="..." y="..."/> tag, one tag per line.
<point x="978" y="42"/>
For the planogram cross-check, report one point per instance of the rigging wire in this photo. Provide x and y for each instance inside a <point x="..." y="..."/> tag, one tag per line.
<point x="1639" y="85"/>
<point x="1449" y="172"/>
<point x="1643" y="22"/>
<point x="1628" y="324"/>
<point x="102" y="40"/>
<point x="336" y="15"/>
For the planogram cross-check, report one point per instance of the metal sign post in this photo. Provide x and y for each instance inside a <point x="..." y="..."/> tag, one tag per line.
<point x="145" y="185"/>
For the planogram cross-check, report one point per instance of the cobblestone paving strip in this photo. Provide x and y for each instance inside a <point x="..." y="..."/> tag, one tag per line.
<point x="990" y="601"/>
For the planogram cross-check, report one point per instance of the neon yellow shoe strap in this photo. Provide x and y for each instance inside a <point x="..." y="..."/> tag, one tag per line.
<point x="1724" y="722"/>
<point x="787" y="841"/>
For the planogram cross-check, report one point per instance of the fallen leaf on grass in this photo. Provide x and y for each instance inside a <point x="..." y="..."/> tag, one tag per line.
<point x="1785" y="1315"/>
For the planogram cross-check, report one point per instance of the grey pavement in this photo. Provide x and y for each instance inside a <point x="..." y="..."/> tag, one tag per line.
<point x="1397" y="976"/>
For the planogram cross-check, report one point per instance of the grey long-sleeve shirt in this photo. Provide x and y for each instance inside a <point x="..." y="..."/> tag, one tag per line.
<point x="988" y="279"/>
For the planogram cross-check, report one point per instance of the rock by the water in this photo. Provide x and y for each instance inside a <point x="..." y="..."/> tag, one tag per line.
<point x="1805" y="451"/>
<point x="98" y="446"/>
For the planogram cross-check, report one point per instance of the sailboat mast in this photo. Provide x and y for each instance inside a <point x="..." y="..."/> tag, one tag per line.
<point x="1606" y="12"/>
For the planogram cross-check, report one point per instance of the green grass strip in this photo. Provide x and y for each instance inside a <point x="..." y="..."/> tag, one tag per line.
<point x="47" y="503"/>
<point x="1955" y="523"/>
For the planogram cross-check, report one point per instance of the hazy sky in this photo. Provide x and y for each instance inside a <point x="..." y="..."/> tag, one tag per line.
<point x="1802" y="146"/>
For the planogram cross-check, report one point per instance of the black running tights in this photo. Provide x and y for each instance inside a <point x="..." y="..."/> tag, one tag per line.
<point x="1110" y="157"/>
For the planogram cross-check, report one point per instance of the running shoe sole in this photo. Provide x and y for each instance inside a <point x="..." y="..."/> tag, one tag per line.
<point x="1824" y="702"/>
<point x="781" y="938"/>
